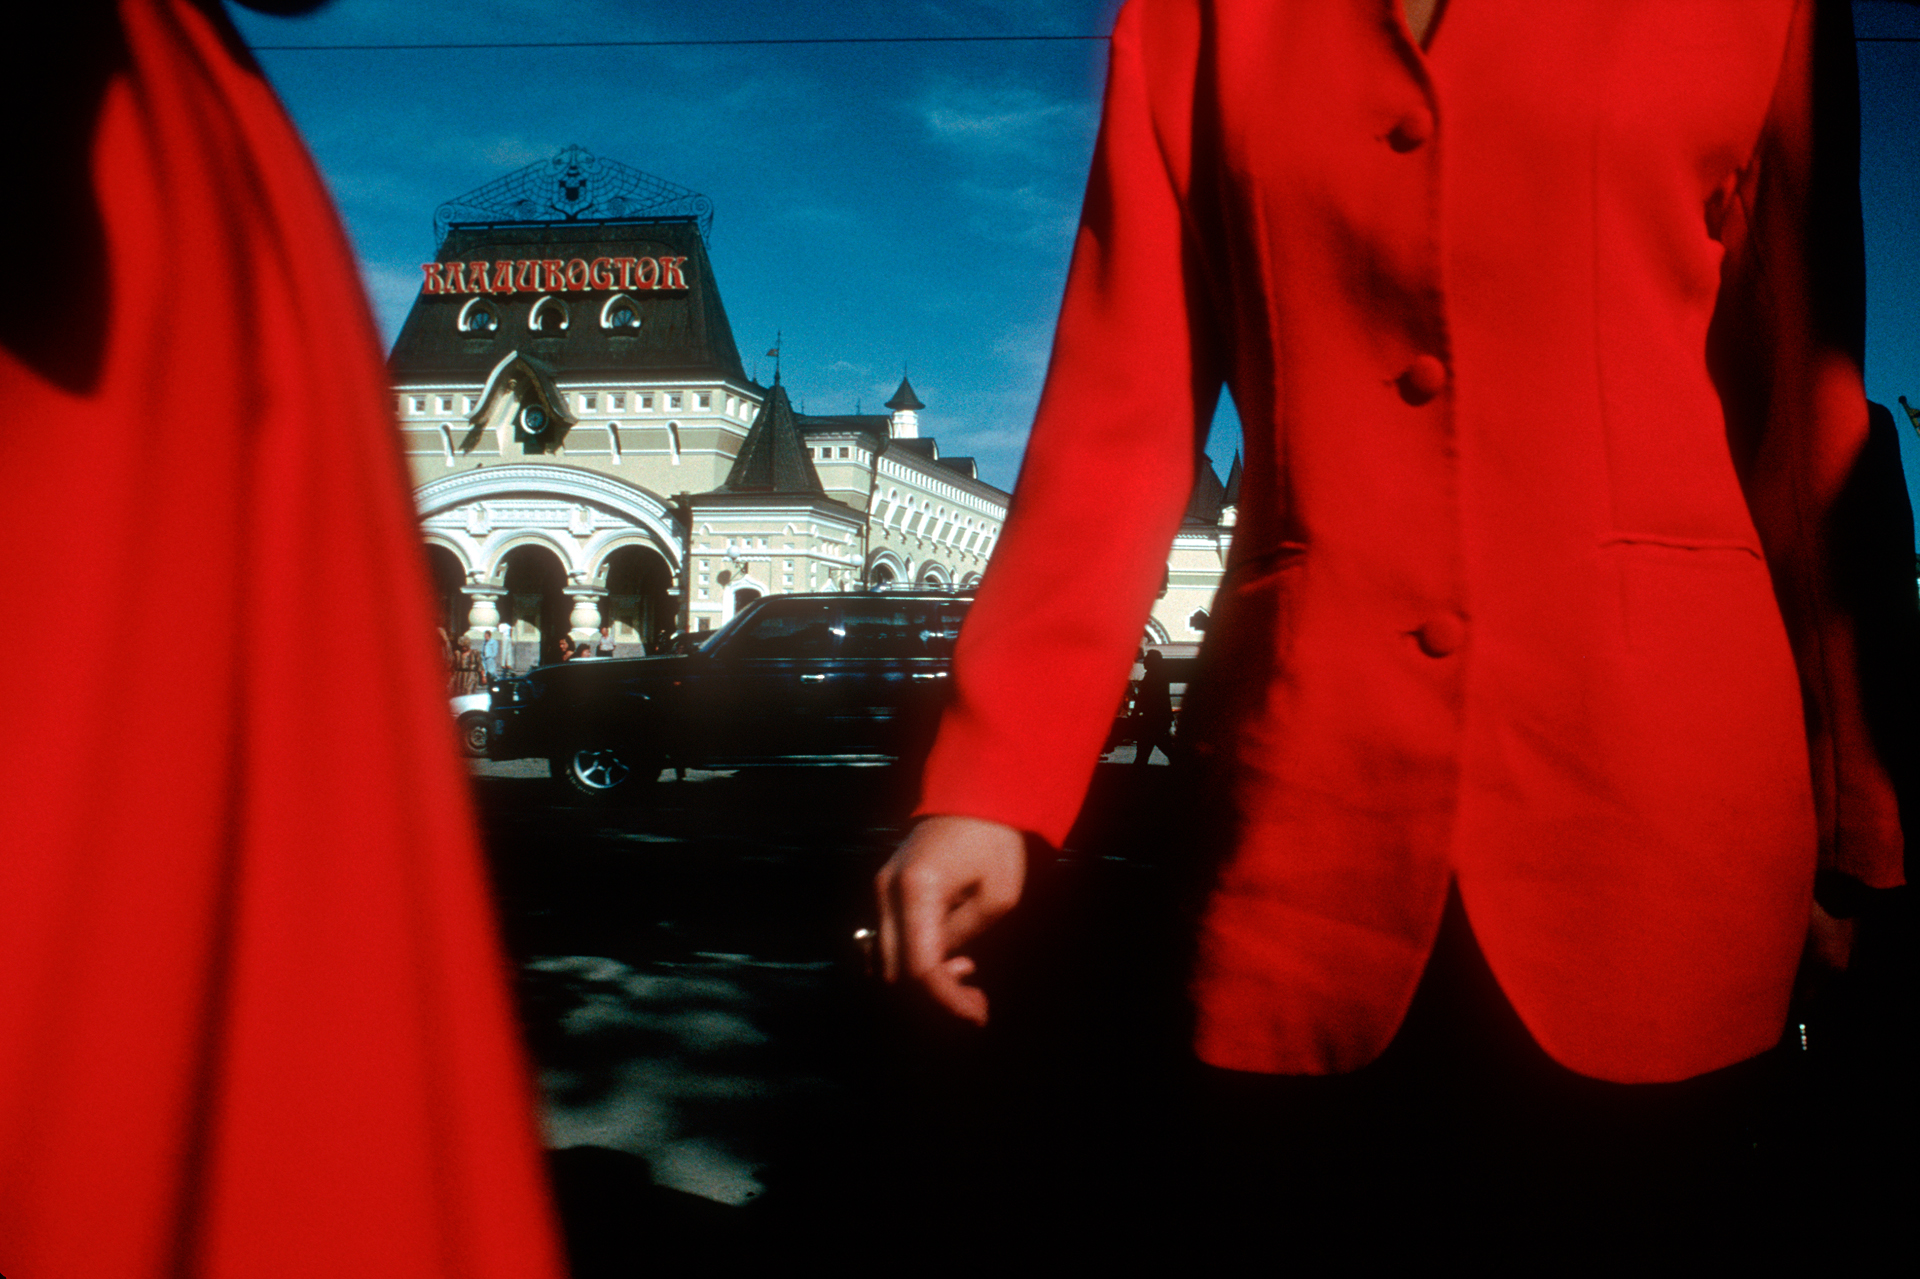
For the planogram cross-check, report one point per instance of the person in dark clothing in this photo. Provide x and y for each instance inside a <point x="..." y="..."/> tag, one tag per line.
<point x="1153" y="710"/>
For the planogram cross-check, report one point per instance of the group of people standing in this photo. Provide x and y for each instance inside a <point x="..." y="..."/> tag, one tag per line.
<point x="471" y="670"/>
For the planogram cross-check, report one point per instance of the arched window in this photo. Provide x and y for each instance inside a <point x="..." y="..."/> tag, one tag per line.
<point x="549" y="317"/>
<point x="621" y="314"/>
<point x="479" y="317"/>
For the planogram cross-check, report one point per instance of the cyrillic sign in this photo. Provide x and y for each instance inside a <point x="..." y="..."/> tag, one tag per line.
<point x="551" y="275"/>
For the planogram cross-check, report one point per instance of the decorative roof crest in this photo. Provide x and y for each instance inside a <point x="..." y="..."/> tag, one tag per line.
<point x="574" y="186"/>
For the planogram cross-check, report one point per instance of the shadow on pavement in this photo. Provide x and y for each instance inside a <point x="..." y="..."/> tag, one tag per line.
<point x="724" y="1085"/>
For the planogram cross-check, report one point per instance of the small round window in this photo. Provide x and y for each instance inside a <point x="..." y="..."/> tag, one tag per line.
<point x="533" y="419"/>
<point x="549" y="317"/>
<point x="620" y="312"/>
<point x="478" y="317"/>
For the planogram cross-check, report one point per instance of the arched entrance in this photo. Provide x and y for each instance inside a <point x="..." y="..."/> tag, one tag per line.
<point x="536" y="605"/>
<point x="638" y="605"/>
<point x="449" y="602"/>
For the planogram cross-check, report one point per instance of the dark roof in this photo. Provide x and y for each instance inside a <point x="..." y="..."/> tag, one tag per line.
<point x="681" y="333"/>
<point x="964" y="465"/>
<point x="904" y="398"/>
<point x="923" y="445"/>
<point x="772" y="458"/>
<point x="1204" y="506"/>
<point x="876" y="424"/>
<point x="1233" y="482"/>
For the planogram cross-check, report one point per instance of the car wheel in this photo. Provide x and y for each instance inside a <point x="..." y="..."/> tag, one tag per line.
<point x="603" y="774"/>
<point x="476" y="733"/>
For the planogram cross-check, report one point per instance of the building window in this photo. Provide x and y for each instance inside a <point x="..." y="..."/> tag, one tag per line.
<point x="549" y="317"/>
<point x="616" y="402"/>
<point x="419" y="404"/>
<point x="588" y="403"/>
<point x="478" y="318"/>
<point x="703" y="400"/>
<point x="673" y="400"/>
<point x="620" y="312"/>
<point x="846" y="452"/>
<point x="646" y="401"/>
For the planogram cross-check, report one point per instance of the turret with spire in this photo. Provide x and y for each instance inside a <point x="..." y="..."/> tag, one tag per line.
<point x="773" y="458"/>
<point x="906" y="408"/>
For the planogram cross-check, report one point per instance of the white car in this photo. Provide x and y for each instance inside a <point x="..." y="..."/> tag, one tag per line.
<point x="473" y="712"/>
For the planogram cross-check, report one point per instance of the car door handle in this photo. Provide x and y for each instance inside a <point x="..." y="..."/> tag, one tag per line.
<point x="813" y="679"/>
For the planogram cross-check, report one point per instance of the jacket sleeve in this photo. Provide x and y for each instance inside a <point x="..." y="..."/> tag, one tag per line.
<point x="1826" y="494"/>
<point x="1042" y="663"/>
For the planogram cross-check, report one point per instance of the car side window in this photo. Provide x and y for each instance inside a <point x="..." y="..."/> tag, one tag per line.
<point x="897" y="629"/>
<point x="804" y="631"/>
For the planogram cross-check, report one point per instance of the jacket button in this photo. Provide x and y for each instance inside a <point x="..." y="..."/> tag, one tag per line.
<point x="1423" y="379"/>
<point x="1442" y="635"/>
<point x="1411" y="130"/>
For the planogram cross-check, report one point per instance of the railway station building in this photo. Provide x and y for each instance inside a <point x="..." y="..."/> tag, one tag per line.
<point x="587" y="449"/>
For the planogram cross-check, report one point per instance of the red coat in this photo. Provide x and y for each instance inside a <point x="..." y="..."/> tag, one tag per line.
<point x="254" y="1012"/>
<point x="1545" y="429"/>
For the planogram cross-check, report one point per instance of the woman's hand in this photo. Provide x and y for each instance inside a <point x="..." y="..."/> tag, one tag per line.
<point x="945" y="886"/>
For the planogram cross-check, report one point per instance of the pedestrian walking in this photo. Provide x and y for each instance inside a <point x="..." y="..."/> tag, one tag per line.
<point x="469" y="676"/>
<point x="1153" y="710"/>
<point x="1530" y="731"/>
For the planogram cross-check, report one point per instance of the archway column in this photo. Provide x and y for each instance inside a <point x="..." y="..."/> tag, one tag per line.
<point x="483" y="609"/>
<point x="584" y="622"/>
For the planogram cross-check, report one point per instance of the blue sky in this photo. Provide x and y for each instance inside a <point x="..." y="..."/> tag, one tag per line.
<point x="882" y="206"/>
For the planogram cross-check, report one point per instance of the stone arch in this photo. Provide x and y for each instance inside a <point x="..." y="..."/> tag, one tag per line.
<point x="1156" y="633"/>
<point x="502" y="547"/>
<point x="739" y="593"/>
<point x="533" y="578"/>
<point x="935" y="576"/>
<point x="447" y="569"/>
<point x="638" y="603"/>
<point x="630" y="502"/>
<point x="885" y="568"/>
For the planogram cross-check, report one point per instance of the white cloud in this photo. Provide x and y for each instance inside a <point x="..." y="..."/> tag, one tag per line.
<point x="1006" y="122"/>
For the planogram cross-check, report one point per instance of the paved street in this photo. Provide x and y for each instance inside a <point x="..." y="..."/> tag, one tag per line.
<point x="714" y="1060"/>
<point x="721" y="1079"/>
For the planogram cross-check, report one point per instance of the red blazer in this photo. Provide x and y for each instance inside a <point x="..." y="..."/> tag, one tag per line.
<point x="1545" y="429"/>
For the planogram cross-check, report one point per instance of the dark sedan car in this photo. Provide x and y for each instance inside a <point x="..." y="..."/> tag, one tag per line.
<point x="792" y="679"/>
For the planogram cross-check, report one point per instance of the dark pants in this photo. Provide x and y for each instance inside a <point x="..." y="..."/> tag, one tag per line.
<point x="1464" y="1138"/>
